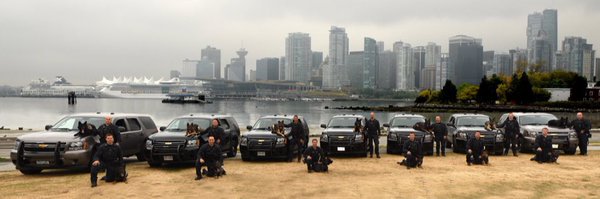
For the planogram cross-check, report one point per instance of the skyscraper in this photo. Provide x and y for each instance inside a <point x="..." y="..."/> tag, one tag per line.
<point x="542" y="37"/>
<point x="386" y="78"/>
<point x="213" y="54"/>
<point x="488" y="62"/>
<point x="578" y="56"/>
<point x="267" y="69"/>
<point x="433" y="56"/>
<point x="442" y="72"/>
<point x="336" y="76"/>
<point x="503" y="64"/>
<point x="517" y="57"/>
<point x="298" y="57"/>
<point x="405" y="76"/>
<point x="355" y="69"/>
<point x="282" y="68"/>
<point x="370" y="63"/>
<point x="236" y="70"/>
<point x="465" y="60"/>
<point x="380" y="47"/>
<point x="418" y="64"/>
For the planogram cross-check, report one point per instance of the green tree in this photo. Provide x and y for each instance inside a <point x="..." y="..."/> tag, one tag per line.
<point x="541" y="95"/>
<point x="448" y="93"/>
<point x="467" y="93"/>
<point x="524" y="90"/>
<point x="511" y="91"/>
<point x="578" y="88"/>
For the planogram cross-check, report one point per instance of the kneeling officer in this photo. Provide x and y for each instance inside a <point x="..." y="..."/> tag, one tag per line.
<point x="109" y="157"/>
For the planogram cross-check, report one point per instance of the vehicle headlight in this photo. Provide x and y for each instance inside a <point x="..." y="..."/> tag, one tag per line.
<point x="572" y="135"/>
<point x="191" y="144"/>
<point x="499" y="137"/>
<point x="149" y="145"/>
<point x="74" y="146"/>
<point x="244" y="141"/>
<point x="462" y="135"/>
<point x="392" y="136"/>
<point x="280" y="141"/>
<point x="324" y="138"/>
<point x="358" y="138"/>
<point x="17" y="144"/>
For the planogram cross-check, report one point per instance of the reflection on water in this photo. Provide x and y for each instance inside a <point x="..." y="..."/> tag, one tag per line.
<point x="37" y="112"/>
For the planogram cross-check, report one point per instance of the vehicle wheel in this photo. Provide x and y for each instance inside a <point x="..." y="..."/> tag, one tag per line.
<point x="454" y="147"/>
<point x="388" y="151"/>
<point x="571" y="151"/>
<point x="30" y="171"/>
<point x="448" y="144"/>
<point x="154" y="164"/>
<point x="245" y="158"/>
<point x="140" y="156"/>
<point x="233" y="152"/>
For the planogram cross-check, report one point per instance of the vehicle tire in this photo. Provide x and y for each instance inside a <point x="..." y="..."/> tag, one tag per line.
<point x="448" y="144"/>
<point x="571" y="151"/>
<point x="246" y="158"/>
<point x="154" y="164"/>
<point x="232" y="152"/>
<point x="454" y="148"/>
<point x="140" y="156"/>
<point x="30" y="171"/>
<point x="388" y="150"/>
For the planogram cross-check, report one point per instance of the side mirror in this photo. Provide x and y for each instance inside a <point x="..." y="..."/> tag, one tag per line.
<point x="48" y="127"/>
<point x="162" y="128"/>
<point x="323" y="126"/>
<point x="386" y="125"/>
<point x="249" y="127"/>
<point x="122" y="129"/>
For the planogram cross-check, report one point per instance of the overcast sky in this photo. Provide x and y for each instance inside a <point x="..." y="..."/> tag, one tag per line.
<point x="85" y="40"/>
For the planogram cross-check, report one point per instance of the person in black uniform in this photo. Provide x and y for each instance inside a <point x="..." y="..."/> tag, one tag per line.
<point x="314" y="155"/>
<point x="511" y="134"/>
<point x="413" y="152"/>
<point x="110" y="157"/>
<point x="297" y="131"/>
<point x="216" y="131"/>
<point x="440" y="131"/>
<point x="373" y="130"/>
<point x="109" y="127"/>
<point x="476" y="151"/>
<point x="209" y="155"/>
<point x="543" y="148"/>
<point x="582" y="128"/>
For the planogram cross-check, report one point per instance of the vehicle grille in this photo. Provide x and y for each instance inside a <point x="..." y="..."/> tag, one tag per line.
<point x="167" y="146"/>
<point x="43" y="147"/>
<point x="340" y="140"/>
<point x="263" y="144"/>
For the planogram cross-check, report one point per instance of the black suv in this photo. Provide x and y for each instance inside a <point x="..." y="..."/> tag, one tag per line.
<point x="260" y="142"/>
<point x="531" y="125"/>
<point x="400" y="127"/>
<point x="60" y="147"/>
<point x="173" y="145"/>
<point x="339" y="136"/>
<point x="462" y="127"/>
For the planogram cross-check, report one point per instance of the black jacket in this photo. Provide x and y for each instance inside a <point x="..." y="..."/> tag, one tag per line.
<point x="111" y="128"/>
<point x="210" y="153"/>
<point x="217" y="132"/>
<point x="511" y="128"/>
<point x="297" y="130"/>
<point x="544" y="142"/>
<point x="110" y="155"/>
<point x="372" y="127"/>
<point x="315" y="154"/>
<point x="439" y="130"/>
<point x="476" y="145"/>
<point x="415" y="148"/>
<point x="581" y="127"/>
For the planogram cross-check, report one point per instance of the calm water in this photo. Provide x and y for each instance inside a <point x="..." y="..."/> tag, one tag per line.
<point x="37" y="112"/>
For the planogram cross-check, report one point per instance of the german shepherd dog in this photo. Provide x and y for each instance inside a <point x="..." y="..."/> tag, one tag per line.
<point x="192" y="130"/>
<point x="86" y="129"/>
<point x="359" y="128"/>
<point x="490" y="125"/>
<point x="279" y="129"/>
<point x="562" y="123"/>
<point x="423" y="126"/>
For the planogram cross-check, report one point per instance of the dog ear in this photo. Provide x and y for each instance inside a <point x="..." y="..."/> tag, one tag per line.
<point x="79" y="123"/>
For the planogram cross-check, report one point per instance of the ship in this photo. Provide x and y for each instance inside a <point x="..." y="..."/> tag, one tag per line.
<point x="147" y="88"/>
<point x="59" y="88"/>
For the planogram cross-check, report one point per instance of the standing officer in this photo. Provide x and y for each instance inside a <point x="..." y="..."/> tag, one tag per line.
<point x="476" y="151"/>
<point x="582" y="128"/>
<point x="373" y="130"/>
<point x="440" y="132"/>
<point x="216" y="131"/>
<point x="110" y="157"/>
<point x="511" y="133"/>
<point x="297" y="131"/>
<point x="109" y="127"/>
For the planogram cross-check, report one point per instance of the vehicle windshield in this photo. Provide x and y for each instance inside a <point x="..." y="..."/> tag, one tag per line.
<point x="406" y="121"/>
<point x="535" y="119"/>
<point x="267" y="123"/>
<point x="342" y="122"/>
<point x="180" y="124"/>
<point x="70" y="123"/>
<point x="472" y="121"/>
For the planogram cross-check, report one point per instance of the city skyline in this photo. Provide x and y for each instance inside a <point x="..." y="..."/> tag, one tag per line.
<point x="84" y="41"/>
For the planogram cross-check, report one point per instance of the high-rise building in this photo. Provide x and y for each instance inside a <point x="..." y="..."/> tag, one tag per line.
<point x="267" y="69"/>
<point x="336" y="76"/>
<point x="418" y="64"/>
<point x="518" y="57"/>
<point x="252" y="76"/>
<point x="282" y="68"/>
<point x="370" y="63"/>
<point x="433" y="56"/>
<point x="189" y="68"/>
<point x="317" y="60"/>
<point x="213" y="54"/>
<point x="503" y="64"/>
<point x="205" y="69"/>
<point x="298" y="57"/>
<point x="488" y="61"/>
<point x="386" y="78"/>
<point x="542" y="38"/>
<point x="577" y="56"/>
<point x="355" y="69"/>
<point x="316" y="73"/>
<point x="236" y="70"/>
<point x="380" y="47"/>
<point x="405" y="76"/>
<point x="442" y="72"/>
<point x="428" y="78"/>
<point x="465" y="61"/>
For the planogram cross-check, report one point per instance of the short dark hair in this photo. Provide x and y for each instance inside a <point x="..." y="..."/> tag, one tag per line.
<point x="412" y="132"/>
<point x="109" y="134"/>
<point x="211" y="136"/>
<point x="314" y="139"/>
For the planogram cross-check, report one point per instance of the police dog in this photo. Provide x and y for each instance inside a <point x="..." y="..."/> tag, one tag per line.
<point x="192" y="130"/>
<point x="490" y="125"/>
<point x="423" y="126"/>
<point x="279" y="129"/>
<point x="85" y="129"/>
<point x="358" y="128"/>
<point x="562" y="123"/>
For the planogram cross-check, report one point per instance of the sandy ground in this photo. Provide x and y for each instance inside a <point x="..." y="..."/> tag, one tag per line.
<point x="441" y="177"/>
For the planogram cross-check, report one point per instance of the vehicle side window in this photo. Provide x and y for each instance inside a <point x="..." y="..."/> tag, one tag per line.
<point x="148" y="122"/>
<point x="502" y="118"/>
<point x="224" y="124"/>
<point x="121" y="123"/>
<point x="134" y="124"/>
